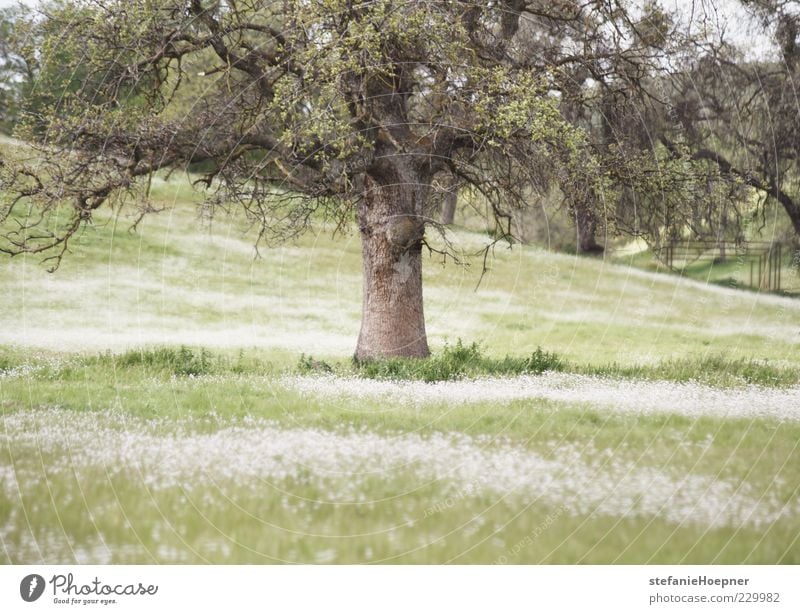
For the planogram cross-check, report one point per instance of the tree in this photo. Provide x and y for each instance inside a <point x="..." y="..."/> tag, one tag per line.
<point x="740" y="113"/>
<point x="333" y="108"/>
<point x="12" y="72"/>
<point x="33" y="78"/>
<point x="595" y="61"/>
<point x="447" y="188"/>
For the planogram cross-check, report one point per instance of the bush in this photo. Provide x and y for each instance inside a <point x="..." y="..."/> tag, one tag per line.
<point x="6" y="363"/>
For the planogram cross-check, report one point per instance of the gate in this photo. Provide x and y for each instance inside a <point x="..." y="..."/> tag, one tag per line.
<point x="769" y="265"/>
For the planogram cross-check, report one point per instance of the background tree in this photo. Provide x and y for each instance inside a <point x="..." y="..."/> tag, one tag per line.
<point x="31" y="75"/>
<point x="598" y="59"/>
<point x="737" y="109"/>
<point x="13" y="71"/>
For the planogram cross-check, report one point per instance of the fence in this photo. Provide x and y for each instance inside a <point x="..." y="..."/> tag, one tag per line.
<point x="771" y="266"/>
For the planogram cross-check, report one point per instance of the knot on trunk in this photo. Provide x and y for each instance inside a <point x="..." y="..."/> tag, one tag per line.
<point x="405" y="233"/>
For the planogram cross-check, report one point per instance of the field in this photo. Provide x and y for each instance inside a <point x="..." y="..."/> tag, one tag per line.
<point x="168" y="397"/>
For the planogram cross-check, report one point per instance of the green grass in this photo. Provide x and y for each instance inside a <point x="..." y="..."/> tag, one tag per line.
<point x="179" y="281"/>
<point x="201" y="521"/>
<point x="181" y="361"/>
<point x="733" y="272"/>
<point x="465" y="361"/>
<point x="454" y="362"/>
<point x="458" y="361"/>
<point x="151" y="389"/>
<point x="714" y="370"/>
<point x="179" y="323"/>
<point x="256" y="527"/>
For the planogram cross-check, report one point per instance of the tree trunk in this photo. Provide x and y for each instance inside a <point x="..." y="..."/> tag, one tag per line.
<point x="392" y="226"/>
<point x="586" y="228"/>
<point x="723" y="224"/>
<point x="449" y="201"/>
<point x="449" y="207"/>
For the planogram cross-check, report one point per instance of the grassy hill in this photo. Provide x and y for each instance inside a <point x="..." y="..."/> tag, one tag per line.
<point x="153" y="409"/>
<point x="183" y="280"/>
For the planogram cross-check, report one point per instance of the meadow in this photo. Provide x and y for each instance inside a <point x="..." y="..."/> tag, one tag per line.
<point x="167" y="396"/>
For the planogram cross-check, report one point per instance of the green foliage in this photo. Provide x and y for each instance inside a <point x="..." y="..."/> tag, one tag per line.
<point x="715" y="370"/>
<point x="458" y="361"/>
<point x="181" y="361"/>
<point x="6" y="363"/>
<point x="300" y="97"/>
<point x="9" y="88"/>
<point x="157" y="362"/>
<point x="307" y="364"/>
<point x="759" y="454"/>
<point x="453" y="362"/>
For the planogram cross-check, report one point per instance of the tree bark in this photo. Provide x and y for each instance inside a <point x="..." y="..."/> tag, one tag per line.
<point x="392" y="226"/>
<point x="449" y="205"/>
<point x="586" y="229"/>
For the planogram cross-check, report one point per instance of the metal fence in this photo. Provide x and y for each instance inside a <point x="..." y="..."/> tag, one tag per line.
<point x="766" y="266"/>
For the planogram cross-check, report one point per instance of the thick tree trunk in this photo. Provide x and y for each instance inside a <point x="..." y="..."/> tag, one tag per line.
<point x="392" y="226"/>
<point x="790" y="205"/>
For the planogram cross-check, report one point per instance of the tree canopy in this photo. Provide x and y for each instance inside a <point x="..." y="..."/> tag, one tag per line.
<point x="739" y="112"/>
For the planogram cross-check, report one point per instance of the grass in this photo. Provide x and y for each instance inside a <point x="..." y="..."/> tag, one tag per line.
<point x="458" y="361"/>
<point x="181" y="361"/>
<point x="714" y="370"/>
<point x="470" y="361"/>
<point x="288" y="521"/>
<point x="733" y="272"/>
<point x="179" y="326"/>
<point x="454" y="362"/>
<point x="179" y="281"/>
<point x="256" y="527"/>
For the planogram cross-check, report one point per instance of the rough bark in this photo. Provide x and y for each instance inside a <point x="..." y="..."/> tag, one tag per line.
<point x="392" y="226"/>
<point x="586" y="229"/>
<point x="449" y="201"/>
<point x="449" y="208"/>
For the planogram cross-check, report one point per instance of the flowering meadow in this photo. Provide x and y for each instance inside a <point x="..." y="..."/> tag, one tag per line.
<point x="152" y="408"/>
